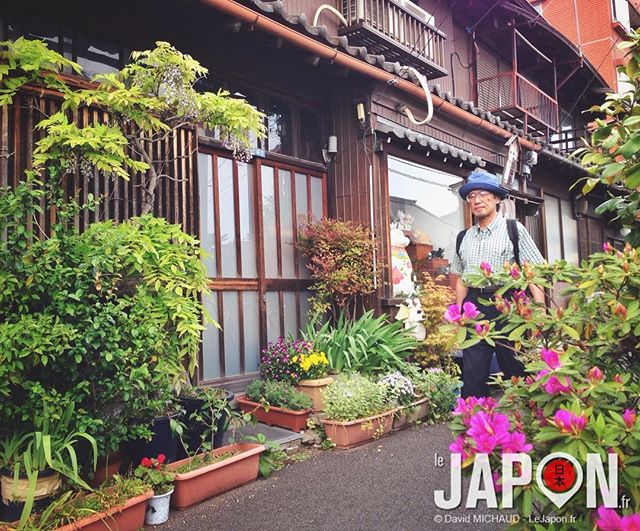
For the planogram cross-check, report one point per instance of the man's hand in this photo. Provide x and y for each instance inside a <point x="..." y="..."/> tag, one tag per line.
<point x="461" y="291"/>
<point x="538" y="294"/>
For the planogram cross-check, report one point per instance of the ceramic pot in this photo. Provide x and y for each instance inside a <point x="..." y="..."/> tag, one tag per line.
<point x="315" y="389"/>
<point x="157" y="511"/>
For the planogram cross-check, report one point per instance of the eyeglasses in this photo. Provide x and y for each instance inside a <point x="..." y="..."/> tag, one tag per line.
<point x="482" y="195"/>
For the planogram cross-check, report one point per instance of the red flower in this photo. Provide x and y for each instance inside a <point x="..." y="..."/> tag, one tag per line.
<point x="161" y="458"/>
<point x="146" y="462"/>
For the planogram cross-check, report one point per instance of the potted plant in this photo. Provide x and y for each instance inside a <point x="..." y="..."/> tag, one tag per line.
<point x="205" y="416"/>
<point x="119" y="505"/>
<point x="153" y="472"/>
<point x="208" y="474"/>
<point x="314" y="376"/>
<point x="357" y="411"/>
<point x="401" y="392"/>
<point x="32" y="465"/>
<point x="276" y="404"/>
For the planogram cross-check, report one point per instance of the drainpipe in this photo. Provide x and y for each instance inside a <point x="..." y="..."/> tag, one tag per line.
<point x="257" y="20"/>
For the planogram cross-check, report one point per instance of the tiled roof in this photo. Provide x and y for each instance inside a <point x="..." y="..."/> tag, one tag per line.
<point x="301" y="23"/>
<point x="387" y="126"/>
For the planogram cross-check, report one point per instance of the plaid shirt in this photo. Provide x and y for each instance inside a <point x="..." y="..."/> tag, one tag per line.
<point x="492" y="244"/>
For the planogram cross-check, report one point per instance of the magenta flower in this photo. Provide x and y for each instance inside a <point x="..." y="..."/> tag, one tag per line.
<point x="551" y="358"/>
<point x="485" y="444"/>
<point x="529" y="380"/>
<point x="482" y="329"/>
<point x="570" y="423"/>
<point x="607" y="247"/>
<point x="629" y="417"/>
<point x="469" y="311"/>
<point x="617" y="378"/>
<point x="516" y="443"/>
<point x="460" y="446"/>
<point x="485" y="267"/>
<point x="485" y="424"/>
<point x="488" y="404"/>
<point x="631" y="522"/>
<point x="497" y="484"/>
<point x="520" y="297"/>
<point x="554" y="386"/>
<point x="608" y="520"/>
<point x="466" y="408"/>
<point x="542" y="373"/>
<point x="452" y="315"/>
<point x="595" y="375"/>
<point x="515" y="272"/>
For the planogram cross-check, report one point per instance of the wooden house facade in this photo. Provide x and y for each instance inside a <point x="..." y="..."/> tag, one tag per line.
<point x="342" y="75"/>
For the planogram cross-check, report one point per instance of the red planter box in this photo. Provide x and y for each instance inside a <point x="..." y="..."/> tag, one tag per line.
<point x="210" y="480"/>
<point x="360" y="431"/>
<point x="126" y="517"/>
<point x="276" y="416"/>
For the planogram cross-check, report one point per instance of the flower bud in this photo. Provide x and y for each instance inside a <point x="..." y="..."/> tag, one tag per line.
<point x="607" y="247"/>
<point x="625" y="266"/>
<point x="595" y="375"/>
<point x="620" y="311"/>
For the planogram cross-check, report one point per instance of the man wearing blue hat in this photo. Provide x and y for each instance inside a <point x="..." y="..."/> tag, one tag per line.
<point x="488" y="241"/>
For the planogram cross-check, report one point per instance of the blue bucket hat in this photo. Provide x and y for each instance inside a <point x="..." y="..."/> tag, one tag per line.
<point x="482" y="180"/>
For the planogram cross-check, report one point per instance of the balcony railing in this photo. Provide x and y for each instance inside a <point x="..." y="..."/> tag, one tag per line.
<point x="513" y="97"/>
<point x="568" y="140"/>
<point x="397" y="29"/>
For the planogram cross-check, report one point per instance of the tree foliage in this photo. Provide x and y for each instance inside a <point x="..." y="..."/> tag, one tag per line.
<point x="146" y="102"/>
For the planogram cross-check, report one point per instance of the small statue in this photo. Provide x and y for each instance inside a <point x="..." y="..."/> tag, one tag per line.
<point x="401" y="267"/>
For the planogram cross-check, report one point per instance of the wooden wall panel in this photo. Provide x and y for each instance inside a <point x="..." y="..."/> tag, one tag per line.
<point x="176" y="200"/>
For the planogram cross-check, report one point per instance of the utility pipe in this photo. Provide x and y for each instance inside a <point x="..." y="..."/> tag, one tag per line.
<point x="257" y="20"/>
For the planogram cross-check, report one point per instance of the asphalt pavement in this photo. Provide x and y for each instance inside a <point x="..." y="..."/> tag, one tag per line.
<point x="384" y="485"/>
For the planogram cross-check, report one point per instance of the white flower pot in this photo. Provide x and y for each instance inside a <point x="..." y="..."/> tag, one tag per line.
<point x="158" y="509"/>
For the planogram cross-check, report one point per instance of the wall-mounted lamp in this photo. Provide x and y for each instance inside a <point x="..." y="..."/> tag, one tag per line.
<point x="580" y="206"/>
<point x="360" y="112"/>
<point x="330" y="150"/>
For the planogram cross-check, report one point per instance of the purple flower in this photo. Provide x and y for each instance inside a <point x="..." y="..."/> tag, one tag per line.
<point x="485" y="267"/>
<point x="516" y="443"/>
<point x="452" y="315"/>
<point x="485" y="444"/>
<point x="554" y="386"/>
<point x="485" y="424"/>
<point x="551" y="358"/>
<point x="569" y="423"/>
<point x="629" y="417"/>
<point x="469" y="311"/>
<point x="608" y="520"/>
<point x="482" y="329"/>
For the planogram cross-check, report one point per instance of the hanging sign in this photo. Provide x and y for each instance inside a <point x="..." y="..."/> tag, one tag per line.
<point x="509" y="172"/>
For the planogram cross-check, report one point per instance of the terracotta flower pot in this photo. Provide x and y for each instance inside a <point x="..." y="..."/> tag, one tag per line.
<point x="314" y="389"/>
<point x="108" y="466"/>
<point x="126" y="517"/>
<point x="276" y="416"/>
<point x="407" y="415"/>
<point x="360" y="431"/>
<point x="210" y="480"/>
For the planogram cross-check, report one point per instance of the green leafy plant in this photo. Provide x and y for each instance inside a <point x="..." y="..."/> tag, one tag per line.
<point x="612" y="154"/>
<point x="272" y="459"/>
<point x="353" y="396"/>
<point x="341" y="256"/>
<point x="201" y="460"/>
<point x="26" y="455"/>
<point x="153" y="472"/>
<point x="278" y="394"/>
<point x="581" y="392"/>
<point x="73" y="506"/>
<point x="155" y="93"/>
<point x="369" y="344"/>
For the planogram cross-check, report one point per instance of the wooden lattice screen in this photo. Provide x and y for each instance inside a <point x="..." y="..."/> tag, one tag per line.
<point x="175" y="200"/>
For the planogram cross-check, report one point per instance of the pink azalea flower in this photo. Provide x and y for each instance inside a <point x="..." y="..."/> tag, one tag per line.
<point x="595" y="375"/>
<point x="607" y="247"/>
<point x="515" y="272"/>
<point x="542" y="373"/>
<point x="482" y="329"/>
<point x="488" y="404"/>
<point x="460" y="446"/>
<point x="465" y="408"/>
<point x="516" y="443"/>
<point x="608" y="520"/>
<point x="554" y="386"/>
<point x="485" y="424"/>
<point x="569" y="423"/>
<point x="520" y="297"/>
<point x="452" y="315"/>
<point x="529" y="380"/>
<point x="485" y="444"/>
<point x="629" y="417"/>
<point x="485" y="267"/>
<point x="469" y="311"/>
<point x="551" y="358"/>
<point x="631" y="522"/>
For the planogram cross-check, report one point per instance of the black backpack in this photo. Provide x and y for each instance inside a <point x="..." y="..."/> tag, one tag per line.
<point x="512" y="229"/>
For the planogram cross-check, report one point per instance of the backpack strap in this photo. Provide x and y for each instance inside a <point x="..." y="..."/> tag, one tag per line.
<point x="459" y="239"/>
<point x="512" y="229"/>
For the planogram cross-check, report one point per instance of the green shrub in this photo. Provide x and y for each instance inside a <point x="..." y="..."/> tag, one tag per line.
<point x="278" y="394"/>
<point x="369" y="344"/>
<point x="352" y="396"/>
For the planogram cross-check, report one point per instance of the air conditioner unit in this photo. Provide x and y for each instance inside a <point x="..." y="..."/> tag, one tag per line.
<point x="417" y="11"/>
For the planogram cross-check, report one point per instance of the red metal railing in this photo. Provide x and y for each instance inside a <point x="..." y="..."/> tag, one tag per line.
<point x="512" y="91"/>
